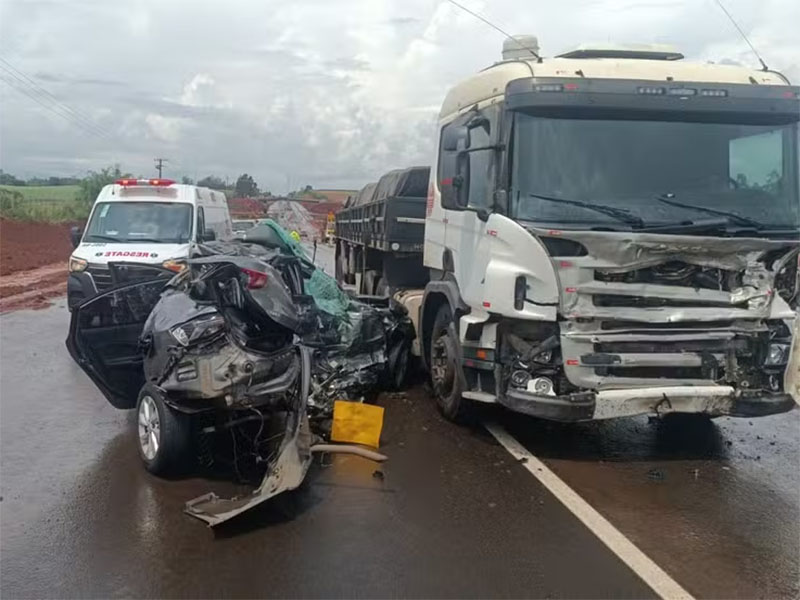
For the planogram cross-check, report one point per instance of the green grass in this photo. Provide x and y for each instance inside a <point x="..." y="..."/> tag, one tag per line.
<point x="50" y="203"/>
<point x="44" y="192"/>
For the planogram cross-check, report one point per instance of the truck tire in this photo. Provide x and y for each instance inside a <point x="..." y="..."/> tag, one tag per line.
<point x="339" y="266"/>
<point x="382" y="288"/>
<point x="368" y="288"/>
<point x="447" y="378"/>
<point x="397" y="365"/>
<point x="163" y="434"/>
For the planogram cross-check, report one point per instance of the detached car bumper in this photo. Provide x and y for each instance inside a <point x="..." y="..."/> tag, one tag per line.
<point x="712" y="400"/>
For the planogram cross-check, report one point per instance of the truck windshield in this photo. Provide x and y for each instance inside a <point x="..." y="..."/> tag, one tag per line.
<point x="749" y="171"/>
<point x="131" y="222"/>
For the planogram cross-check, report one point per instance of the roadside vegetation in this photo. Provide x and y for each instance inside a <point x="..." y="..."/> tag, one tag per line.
<point x="65" y="199"/>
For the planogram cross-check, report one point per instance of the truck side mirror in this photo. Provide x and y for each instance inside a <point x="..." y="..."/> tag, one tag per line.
<point x="75" y="234"/>
<point x="454" y="138"/>
<point x="209" y="235"/>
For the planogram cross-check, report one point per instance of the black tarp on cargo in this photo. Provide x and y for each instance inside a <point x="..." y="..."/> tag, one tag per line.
<point x="408" y="183"/>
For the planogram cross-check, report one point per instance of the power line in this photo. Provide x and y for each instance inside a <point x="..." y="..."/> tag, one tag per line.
<point x="739" y="29"/>
<point x="493" y="26"/>
<point x="49" y="107"/>
<point x="9" y="68"/>
<point x="25" y="90"/>
<point x="25" y="85"/>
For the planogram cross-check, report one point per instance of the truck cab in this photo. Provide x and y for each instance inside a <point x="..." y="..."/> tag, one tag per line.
<point x="613" y="232"/>
<point x="144" y="222"/>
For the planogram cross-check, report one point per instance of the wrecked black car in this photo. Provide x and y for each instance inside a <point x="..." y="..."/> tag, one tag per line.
<point x="234" y="343"/>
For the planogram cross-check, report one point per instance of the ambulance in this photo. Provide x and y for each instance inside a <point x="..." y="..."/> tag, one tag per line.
<point x="138" y="223"/>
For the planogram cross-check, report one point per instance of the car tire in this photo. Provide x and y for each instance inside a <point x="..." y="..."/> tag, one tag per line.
<point x="447" y="376"/>
<point x="163" y="434"/>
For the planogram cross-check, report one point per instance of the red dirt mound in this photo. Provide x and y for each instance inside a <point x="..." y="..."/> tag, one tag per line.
<point x="27" y="245"/>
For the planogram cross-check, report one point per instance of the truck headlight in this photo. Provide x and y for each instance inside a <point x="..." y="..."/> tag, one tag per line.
<point x="777" y="355"/>
<point x="76" y="265"/>
<point x="197" y="329"/>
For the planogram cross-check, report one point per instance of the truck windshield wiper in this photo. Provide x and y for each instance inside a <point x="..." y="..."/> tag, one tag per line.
<point x="732" y="217"/>
<point x="105" y="238"/>
<point x="687" y="226"/>
<point x="620" y="214"/>
<point x="144" y="239"/>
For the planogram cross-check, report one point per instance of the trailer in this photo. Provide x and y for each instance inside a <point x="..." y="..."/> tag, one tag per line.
<point x="380" y="234"/>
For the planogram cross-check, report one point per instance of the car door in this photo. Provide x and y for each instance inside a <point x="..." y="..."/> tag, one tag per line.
<point x="104" y="335"/>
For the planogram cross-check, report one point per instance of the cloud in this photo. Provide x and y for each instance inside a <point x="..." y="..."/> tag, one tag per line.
<point x="311" y="91"/>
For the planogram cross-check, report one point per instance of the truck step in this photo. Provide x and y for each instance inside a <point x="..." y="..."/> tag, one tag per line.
<point x="480" y="397"/>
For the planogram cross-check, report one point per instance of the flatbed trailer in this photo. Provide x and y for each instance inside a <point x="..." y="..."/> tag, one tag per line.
<point x="380" y="234"/>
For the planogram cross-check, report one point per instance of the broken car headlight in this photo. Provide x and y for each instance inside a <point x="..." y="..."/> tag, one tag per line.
<point x="198" y="329"/>
<point x="777" y="355"/>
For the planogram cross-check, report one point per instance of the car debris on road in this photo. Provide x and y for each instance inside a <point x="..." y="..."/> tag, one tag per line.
<point x="251" y="341"/>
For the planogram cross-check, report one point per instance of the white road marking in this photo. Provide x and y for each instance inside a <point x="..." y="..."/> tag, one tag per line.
<point x="653" y="575"/>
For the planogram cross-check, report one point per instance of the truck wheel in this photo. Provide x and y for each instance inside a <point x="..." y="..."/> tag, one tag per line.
<point x="397" y="366"/>
<point x="369" y="283"/>
<point x="447" y="377"/>
<point x="163" y="435"/>
<point x="339" y="266"/>
<point x="382" y="288"/>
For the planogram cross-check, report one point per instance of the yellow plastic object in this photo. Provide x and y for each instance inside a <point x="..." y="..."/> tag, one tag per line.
<point x="357" y="423"/>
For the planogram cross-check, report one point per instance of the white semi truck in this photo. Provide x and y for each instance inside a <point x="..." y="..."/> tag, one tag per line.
<point x="610" y="232"/>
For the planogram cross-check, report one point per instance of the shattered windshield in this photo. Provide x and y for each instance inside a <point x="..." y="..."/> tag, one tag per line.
<point x="749" y="171"/>
<point x="131" y="222"/>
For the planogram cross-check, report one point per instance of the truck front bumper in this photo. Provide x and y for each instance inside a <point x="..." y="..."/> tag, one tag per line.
<point x="607" y="404"/>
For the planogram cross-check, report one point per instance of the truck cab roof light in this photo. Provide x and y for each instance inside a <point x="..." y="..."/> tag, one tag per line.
<point x="549" y="87"/>
<point x="651" y="90"/>
<point x="144" y="182"/>
<point x="714" y="93"/>
<point x="682" y="92"/>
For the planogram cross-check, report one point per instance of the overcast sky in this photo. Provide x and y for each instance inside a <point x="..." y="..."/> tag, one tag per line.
<point x="324" y="92"/>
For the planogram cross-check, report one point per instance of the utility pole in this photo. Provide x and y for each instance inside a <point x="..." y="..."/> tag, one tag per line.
<point x="160" y="165"/>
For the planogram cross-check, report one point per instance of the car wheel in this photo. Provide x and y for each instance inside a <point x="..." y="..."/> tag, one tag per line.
<point x="447" y="378"/>
<point x="163" y="434"/>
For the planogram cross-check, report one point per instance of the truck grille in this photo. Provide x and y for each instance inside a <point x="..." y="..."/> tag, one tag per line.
<point x="101" y="275"/>
<point x="600" y="355"/>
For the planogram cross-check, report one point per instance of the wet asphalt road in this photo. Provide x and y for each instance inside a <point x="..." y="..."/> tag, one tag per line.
<point x="717" y="506"/>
